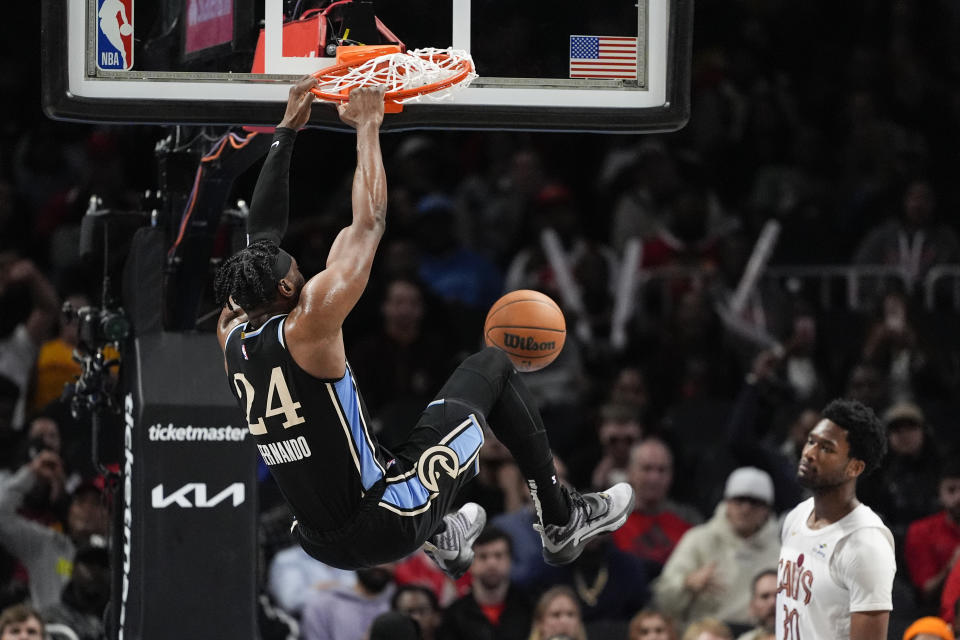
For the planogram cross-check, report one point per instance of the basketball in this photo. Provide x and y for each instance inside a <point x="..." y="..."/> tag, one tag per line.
<point x="528" y="326"/>
<point x="126" y="29"/>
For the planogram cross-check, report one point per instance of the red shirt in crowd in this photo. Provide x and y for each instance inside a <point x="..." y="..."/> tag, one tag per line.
<point x="651" y="537"/>
<point x="929" y="546"/>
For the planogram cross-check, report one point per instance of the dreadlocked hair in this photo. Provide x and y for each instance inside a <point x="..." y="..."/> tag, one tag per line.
<point x="246" y="276"/>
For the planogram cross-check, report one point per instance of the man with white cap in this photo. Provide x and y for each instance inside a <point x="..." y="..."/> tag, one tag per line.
<point x="710" y="571"/>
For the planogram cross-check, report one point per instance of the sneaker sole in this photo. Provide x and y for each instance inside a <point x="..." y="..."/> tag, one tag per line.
<point x="572" y="550"/>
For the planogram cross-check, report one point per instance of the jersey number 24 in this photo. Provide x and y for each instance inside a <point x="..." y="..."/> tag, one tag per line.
<point x="278" y="391"/>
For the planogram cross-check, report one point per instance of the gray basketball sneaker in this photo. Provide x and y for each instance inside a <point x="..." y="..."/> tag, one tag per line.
<point x="452" y="549"/>
<point x="591" y="514"/>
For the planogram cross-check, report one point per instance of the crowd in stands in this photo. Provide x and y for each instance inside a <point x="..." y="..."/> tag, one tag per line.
<point x="839" y="121"/>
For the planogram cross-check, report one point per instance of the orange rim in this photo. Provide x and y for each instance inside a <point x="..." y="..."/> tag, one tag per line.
<point x="465" y="68"/>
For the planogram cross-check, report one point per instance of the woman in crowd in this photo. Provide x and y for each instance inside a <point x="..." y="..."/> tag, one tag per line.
<point x="557" y="616"/>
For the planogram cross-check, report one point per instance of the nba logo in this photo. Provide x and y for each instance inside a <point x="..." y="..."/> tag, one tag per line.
<point x="115" y="34"/>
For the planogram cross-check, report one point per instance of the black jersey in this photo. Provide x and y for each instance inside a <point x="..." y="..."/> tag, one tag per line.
<point x="311" y="433"/>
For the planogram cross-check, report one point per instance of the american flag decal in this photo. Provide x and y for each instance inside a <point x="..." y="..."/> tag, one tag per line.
<point x="603" y="57"/>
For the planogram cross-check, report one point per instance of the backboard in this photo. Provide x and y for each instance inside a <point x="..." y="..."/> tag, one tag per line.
<point x="616" y="66"/>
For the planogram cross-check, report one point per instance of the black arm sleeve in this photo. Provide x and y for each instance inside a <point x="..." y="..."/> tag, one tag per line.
<point x="269" y="208"/>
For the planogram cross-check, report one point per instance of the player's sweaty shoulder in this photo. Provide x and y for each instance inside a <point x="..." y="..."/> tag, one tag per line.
<point x="321" y="309"/>
<point x="320" y="354"/>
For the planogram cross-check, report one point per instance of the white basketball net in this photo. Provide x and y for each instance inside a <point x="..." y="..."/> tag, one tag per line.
<point x="403" y="71"/>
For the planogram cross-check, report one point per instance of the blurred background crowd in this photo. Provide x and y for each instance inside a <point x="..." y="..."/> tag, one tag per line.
<point x="840" y="122"/>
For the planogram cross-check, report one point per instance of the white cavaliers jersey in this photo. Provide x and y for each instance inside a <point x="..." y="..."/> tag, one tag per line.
<point x="826" y="574"/>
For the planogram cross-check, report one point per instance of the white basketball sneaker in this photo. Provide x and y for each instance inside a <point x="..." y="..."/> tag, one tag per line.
<point x="591" y="514"/>
<point x="452" y="548"/>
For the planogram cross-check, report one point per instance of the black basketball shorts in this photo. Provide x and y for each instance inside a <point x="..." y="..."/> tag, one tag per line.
<point x="407" y="505"/>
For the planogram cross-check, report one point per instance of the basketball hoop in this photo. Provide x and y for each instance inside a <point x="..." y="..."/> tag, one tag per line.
<point x="423" y="74"/>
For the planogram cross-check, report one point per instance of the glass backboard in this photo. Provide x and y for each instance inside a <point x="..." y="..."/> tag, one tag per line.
<point x="616" y="66"/>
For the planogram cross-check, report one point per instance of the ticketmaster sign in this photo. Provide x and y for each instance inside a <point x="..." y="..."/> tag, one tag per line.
<point x="191" y="477"/>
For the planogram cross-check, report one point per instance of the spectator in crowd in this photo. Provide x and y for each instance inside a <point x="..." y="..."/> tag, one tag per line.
<point x="450" y="271"/>
<point x="650" y="624"/>
<point x="710" y="571"/>
<point x="43" y="433"/>
<point x="905" y="488"/>
<point x="496" y="609"/>
<point x="629" y="388"/>
<point x="802" y="371"/>
<point x="420" y="603"/>
<point x="86" y="595"/>
<point x="45" y="502"/>
<point x="914" y="241"/>
<point x="690" y="232"/>
<point x="950" y="596"/>
<point x="20" y="622"/>
<point x="656" y="524"/>
<point x="55" y="364"/>
<point x="293" y="576"/>
<point x="708" y="629"/>
<point x="45" y="552"/>
<point x="763" y="606"/>
<point x="402" y="365"/>
<point x="619" y="430"/>
<point x="610" y="584"/>
<point x="392" y="625"/>
<point x="895" y="346"/>
<point x="929" y="628"/>
<point x="868" y="384"/>
<point x="495" y="208"/>
<point x="346" y="614"/>
<point x="932" y="544"/>
<point x="557" y="616"/>
<point x="651" y="178"/>
<point x="418" y="569"/>
<point x="693" y="363"/>
<point x="29" y="308"/>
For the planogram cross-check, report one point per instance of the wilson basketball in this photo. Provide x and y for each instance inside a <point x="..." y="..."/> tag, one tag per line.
<point x="528" y="326"/>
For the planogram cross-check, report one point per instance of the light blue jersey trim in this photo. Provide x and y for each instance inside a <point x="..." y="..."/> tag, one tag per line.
<point x="262" y="327"/>
<point x="370" y="469"/>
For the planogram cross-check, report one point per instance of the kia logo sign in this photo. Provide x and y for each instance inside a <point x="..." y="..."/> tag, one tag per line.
<point x="198" y="491"/>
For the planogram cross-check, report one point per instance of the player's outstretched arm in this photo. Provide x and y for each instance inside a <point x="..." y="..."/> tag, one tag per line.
<point x="329" y="296"/>
<point x="269" y="207"/>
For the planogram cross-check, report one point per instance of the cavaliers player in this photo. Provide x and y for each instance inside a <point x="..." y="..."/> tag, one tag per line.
<point x="837" y="558"/>
<point x="356" y="504"/>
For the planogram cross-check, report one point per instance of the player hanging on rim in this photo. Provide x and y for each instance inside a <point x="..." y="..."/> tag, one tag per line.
<point x="356" y="504"/>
